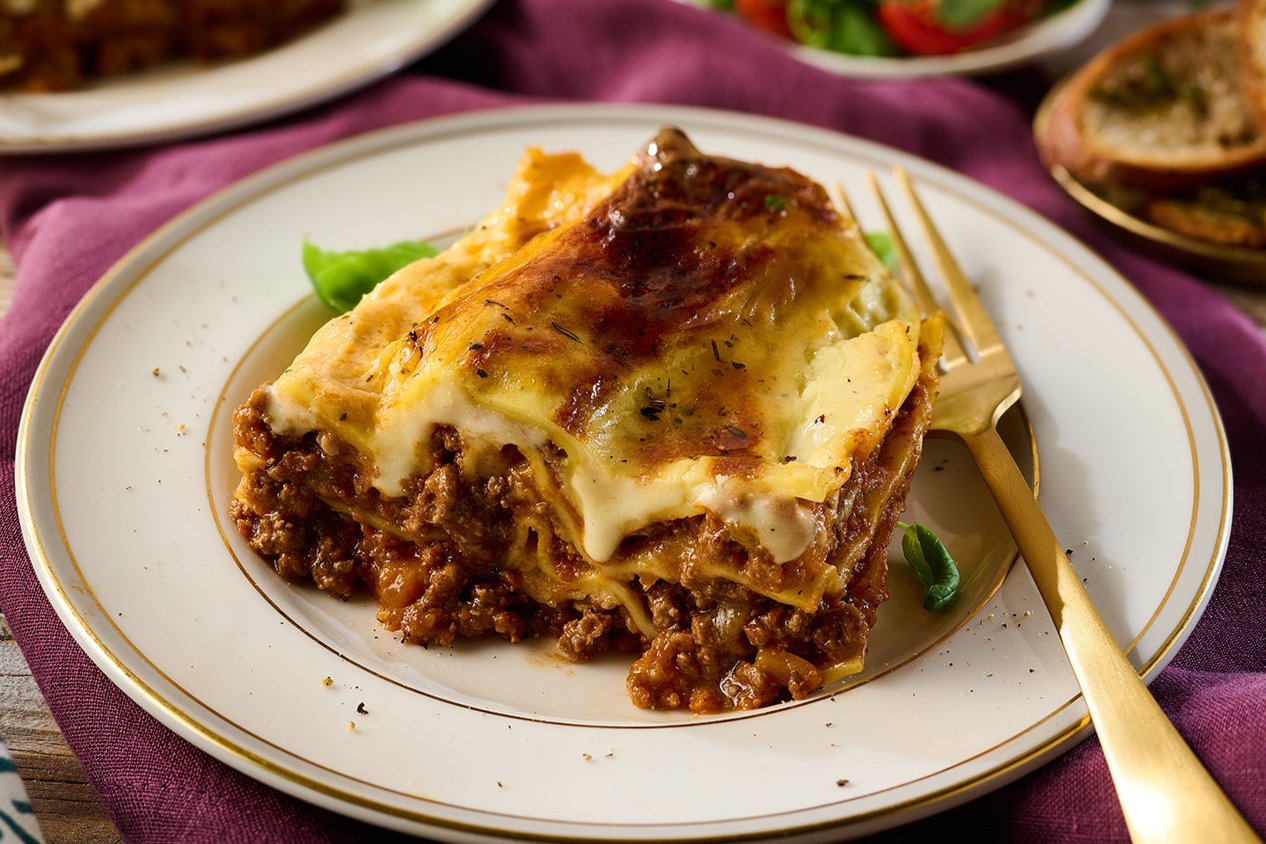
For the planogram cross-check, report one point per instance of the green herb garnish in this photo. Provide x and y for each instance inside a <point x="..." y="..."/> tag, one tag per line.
<point x="932" y="562"/>
<point x="341" y="278"/>
<point x="845" y="26"/>
<point x="881" y="244"/>
<point x="775" y="203"/>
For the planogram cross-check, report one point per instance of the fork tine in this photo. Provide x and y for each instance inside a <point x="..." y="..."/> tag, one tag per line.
<point x="840" y="198"/>
<point x="909" y="269"/>
<point x="973" y="320"/>
<point x="952" y="352"/>
<point x="920" y="293"/>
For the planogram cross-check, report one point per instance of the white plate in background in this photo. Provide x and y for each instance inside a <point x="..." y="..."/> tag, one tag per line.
<point x="182" y="99"/>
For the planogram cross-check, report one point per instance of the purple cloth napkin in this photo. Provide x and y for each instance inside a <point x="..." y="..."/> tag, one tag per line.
<point x="67" y="219"/>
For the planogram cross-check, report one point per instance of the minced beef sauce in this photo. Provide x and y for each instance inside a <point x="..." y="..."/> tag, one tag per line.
<point x="436" y="559"/>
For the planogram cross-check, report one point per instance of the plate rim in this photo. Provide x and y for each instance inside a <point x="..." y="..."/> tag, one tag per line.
<point x="169" y="236"/>
<point x="295" y="98"/>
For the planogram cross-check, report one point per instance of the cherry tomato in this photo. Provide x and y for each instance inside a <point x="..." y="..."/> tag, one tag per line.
<point x="769" y="15"/>
<point x="914" y="25"/>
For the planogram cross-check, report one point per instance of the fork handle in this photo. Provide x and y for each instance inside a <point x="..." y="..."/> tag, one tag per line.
<point x="1165" y="792"/>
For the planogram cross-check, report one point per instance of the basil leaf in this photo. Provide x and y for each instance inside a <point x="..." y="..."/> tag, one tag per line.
<point x="341" y="278"/>
<point x="964" y="14"/>
<point x="844" y="26"/>
<point x="881" y="244"/>
<point x="932" y="563"/>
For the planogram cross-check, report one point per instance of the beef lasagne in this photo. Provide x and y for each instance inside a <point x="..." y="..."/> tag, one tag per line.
<point x="672" y="411"/>
<point x="57" y="45"/>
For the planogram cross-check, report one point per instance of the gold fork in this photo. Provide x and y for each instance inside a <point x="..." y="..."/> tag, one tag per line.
<point x="1165" y="792"/>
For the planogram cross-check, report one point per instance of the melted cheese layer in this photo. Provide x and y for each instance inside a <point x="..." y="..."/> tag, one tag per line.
<point x="696" y="335"/>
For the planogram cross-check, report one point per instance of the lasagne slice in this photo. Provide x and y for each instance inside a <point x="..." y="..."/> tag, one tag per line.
<point x="673" y="411"/>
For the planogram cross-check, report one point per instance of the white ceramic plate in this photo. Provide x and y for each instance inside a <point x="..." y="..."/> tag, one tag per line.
<point x="373" y="38"/>
<point x="124" y="473"/>
<point x="1049" y="35"/>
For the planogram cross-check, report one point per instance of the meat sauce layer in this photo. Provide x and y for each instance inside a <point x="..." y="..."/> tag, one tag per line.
<point x="445" y="562"/>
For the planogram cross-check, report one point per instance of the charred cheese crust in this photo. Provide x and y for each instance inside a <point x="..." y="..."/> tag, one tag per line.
<point x="692" y="350"/>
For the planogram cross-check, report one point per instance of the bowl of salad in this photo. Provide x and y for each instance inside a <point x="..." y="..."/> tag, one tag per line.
<point x="919" y="37"/>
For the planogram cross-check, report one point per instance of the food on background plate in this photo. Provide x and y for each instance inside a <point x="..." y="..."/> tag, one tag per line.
<point x="673" y="411"/>
<point x="1251" y="16"/>
<point x="57" y="45"/>
<point x="1169" y="124"/>
<point x="1231" y="212"/>
<point x="1166" y="106"/>
<point x="892" y="27"/>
